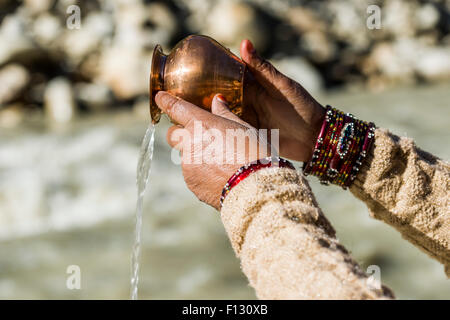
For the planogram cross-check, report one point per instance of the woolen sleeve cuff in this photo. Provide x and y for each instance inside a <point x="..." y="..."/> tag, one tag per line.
<point x="287" y="247"/>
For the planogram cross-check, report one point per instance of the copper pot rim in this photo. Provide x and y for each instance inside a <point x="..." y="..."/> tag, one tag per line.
<point x="156" y="81"/>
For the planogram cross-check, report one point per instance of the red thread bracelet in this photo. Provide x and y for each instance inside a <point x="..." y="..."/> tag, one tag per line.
<point x="246" y="170"/>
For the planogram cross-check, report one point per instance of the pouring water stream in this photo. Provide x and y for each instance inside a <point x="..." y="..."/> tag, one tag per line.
<point x="142" y="175"/>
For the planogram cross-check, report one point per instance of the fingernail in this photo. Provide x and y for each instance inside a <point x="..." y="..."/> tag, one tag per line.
<point x="250" y="47"/>
<point x="222" y="98"/>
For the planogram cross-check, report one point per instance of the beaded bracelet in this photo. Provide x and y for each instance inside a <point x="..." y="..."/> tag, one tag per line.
<point x="340" y="149"/>
<point x="244" y="171"/>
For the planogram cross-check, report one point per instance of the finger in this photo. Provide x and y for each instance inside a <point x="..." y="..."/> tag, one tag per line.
<point x="175" y="136"/>
<point x="179" y="110"/>
<point x="221" y="108"/>
<point x="262" y="69"/>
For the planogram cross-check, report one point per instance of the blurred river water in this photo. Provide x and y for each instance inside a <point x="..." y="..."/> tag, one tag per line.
<point x="67" y="197"/>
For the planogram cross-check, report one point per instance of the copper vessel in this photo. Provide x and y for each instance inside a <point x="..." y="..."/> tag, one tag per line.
<point x="196" y="69"/>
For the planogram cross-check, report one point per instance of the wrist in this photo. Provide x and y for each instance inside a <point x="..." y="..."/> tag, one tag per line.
<point x="249" y="168"/>
<point x="316" y="122"/>
<point x="340" y="149"/>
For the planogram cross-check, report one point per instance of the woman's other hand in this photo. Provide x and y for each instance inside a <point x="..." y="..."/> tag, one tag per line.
<point x="281" y="103"/>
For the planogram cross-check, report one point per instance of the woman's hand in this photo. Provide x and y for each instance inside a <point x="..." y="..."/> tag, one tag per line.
<point x="212" y="145"/>
<point x="281" y="103"/>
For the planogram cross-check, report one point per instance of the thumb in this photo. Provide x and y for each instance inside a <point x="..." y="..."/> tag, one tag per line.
<point x="221" y="108"/>
<point x="263" y="70"/>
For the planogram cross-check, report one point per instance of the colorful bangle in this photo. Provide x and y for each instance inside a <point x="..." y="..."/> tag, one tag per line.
<point x="246" y="170"/>
<point x="340" y="149"/>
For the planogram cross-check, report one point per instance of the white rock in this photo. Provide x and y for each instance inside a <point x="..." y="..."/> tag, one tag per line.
<point x="46" y="28"/>
<point x="13" y="79"/>
<point x="398" y="17"/>
<point x="125" y="71"/>
<point x="128" y="21"/>
<point x="407" y="57"/>
<point x="304" y="19"/>
<point x="393" y="60"/>
<point x="77" y="43"/>
<point x="95" y="95"/>
<point x="300" y="70"/>
<point x="198" y="10"/>
<point x="164" y="22"/>
<point x="130" y="25"/>
<point x="229" y="22"/>
<point x="11" y="116"/>
<point x="12" y="37"/>
<point x="434" y="63"/>
<point x="320" y="47"/>
<point x="59" y="100"/>
<point x="348" y="23"/>
<point x="38" y="6"/>
<point x="427" y="17"/>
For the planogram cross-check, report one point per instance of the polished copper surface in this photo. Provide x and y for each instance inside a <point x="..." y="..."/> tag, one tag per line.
<point x="196" y="69"/>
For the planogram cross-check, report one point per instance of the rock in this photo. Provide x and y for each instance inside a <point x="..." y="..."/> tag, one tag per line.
<point x="13" y="37"/>
<point x="96" y="96"/>
<point x="426" y="17"/>
<point x="430" y="39"/>
<point x="301" y="71"/>
<point x="319" y="47"/>
<point x="198" y="10"/>
<point x="142" y="26"/>
<point x="46" y="29"/>
<point x="348" y="24"/>
<point x="305" y="19"/>
<point x="398" y="17"/>
<point x="433" y="64"/>
<point x="125" y="71"/>
<point x="89" y="68"/>
<point x="13" y="78"/>
<point x="37" y="6"/>
<point x="59" y="100"/>
<point x="11" y="116"/>
<point x="395" y="61"/>
<point x="78" y="43"/>
<point x="230" y="22"/>
<point x="404" y="58"/>
<point x="163" y="23"/>
<point x="129" y="26"/>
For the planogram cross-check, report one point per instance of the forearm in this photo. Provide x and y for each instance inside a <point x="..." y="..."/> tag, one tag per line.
<point x="287" y="247"/>
<point x="408" y="189"/>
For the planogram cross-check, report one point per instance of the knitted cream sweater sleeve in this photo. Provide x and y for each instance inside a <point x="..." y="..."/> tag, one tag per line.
<point x="408" y="189"/>
<point x="287" y="248"/>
